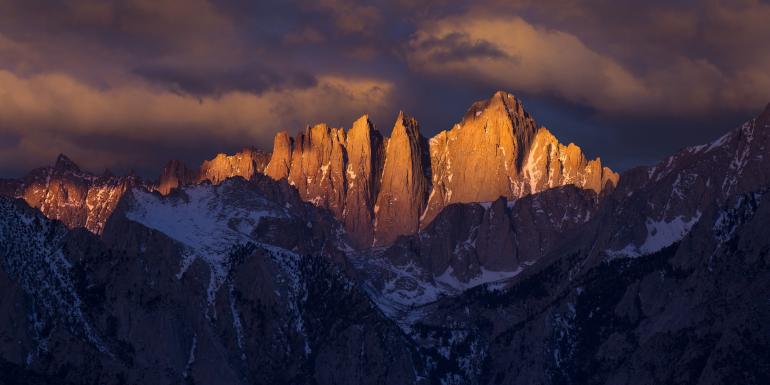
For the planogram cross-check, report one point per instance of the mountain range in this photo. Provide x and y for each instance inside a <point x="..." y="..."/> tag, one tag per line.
<point x="487" y="254"/>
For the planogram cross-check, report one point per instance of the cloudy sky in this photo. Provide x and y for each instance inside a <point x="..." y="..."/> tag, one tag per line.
<point x="130" y="84"/>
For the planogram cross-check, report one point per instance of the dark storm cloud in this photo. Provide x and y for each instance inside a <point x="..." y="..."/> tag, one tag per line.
<point x="626" y="80"/>
<point x="253" y="78"/>
<point x="456" y="46"/>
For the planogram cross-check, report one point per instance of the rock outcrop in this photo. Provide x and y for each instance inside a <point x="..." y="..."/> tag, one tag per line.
<point x="383" y="188"/>
<point x="245" y="163"/>
<point x="376" y="187"/>
<point x="551" y="164"/>
<point x="280" y="161"/>
<point x="404" y="184"/>
<point x="318" y="167"/>
<point x="662" y="279"/>
<point x="364" y="150"/>
<point x="497" y="150"/>
<point x="75" y="197"/>
<point x="174" y="175"/>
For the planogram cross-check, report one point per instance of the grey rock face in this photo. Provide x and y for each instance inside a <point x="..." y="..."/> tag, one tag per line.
<point x="498" y="236"/>
<point x="655" y="206"/>
<point x="699" y="303"/>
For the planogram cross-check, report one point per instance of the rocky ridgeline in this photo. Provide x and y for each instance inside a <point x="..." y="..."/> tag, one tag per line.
<point x="244" y="164"/>
<point x="82" y="199"/>
<point x="75" y="197"/>
<point x="383" y="188"/>
<point x="380" y="188"/>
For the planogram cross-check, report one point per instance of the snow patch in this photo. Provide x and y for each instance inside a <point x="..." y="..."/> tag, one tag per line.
<point x="406" y="289"/>
<point x="660" y="234"/>
<point x="190" y="357"/>
<point x="209" y="221"/>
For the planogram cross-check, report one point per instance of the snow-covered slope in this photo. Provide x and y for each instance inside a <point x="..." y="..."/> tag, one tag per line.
<point x="470" y="245"/>
<point x="210" y="221"/>
<point x="655" y="207"/>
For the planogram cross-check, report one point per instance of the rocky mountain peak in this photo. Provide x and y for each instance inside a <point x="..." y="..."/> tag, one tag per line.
<point x="280" y="161"/>
<point x="499" y="103"/>
<point x="364" y="150"/>
<point x="405" y="182"/>
<point x="361" y="128"/>
<point x="386" y="187"/>
<point x="318" y="167"/>
<point x="551" y="164"/>
<point x="480" y="158"/>
<point x="63" y="163"/>
<point x="77" y="198"/>
<point x="405" y="126"/>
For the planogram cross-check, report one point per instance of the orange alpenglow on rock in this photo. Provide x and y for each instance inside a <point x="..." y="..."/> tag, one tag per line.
<point x="404" y="184"/>
<point x="318" y="167"/>
<point x="71" y="195"/>
<point x="175" y="174"/>
<point x="396" y="186"/>
<point x="365" y="151"/>
<point x="280" y="162"/>
<point x="383" y="188"/>
<point x="479" y="159"/>
<point x="551" y="164"/>
<point x="379" y="188"/>
<point x="498" y="150"/>
<point x="245" y="164"/>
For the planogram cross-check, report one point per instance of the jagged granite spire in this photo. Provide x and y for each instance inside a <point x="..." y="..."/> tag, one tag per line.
<point x="364" y="149"/>
<point x="404" y="184"/>
<point x="280" y="162"/>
